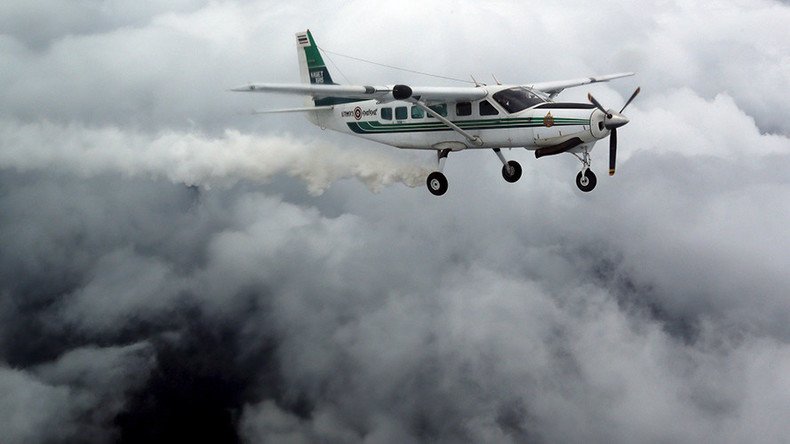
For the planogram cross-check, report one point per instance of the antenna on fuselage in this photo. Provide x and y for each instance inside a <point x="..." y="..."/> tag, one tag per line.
<point x="495" y="79"/>
<point x="359" y="59"/>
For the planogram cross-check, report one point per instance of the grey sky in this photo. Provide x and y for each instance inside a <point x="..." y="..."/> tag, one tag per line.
<point x="173" y="268"/>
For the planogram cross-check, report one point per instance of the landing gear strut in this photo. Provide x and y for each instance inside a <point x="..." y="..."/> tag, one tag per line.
<point x="585" y="180"/>
<point x="436" y="182"/>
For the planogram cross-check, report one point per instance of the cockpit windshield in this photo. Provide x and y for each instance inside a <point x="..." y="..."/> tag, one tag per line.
<point x="517" y="99"/>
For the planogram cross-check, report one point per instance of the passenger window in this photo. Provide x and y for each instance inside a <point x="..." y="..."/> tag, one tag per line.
<point x="386" y="113"/>
<point x="463" y="109"/>
<point x="401" y="113"/>
<point x="417" y="112"/>
<point x="440" y="109"/>
<point x="487" y="109"/>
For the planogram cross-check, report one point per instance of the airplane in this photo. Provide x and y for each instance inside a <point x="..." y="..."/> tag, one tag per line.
<point x="450" y="119"/>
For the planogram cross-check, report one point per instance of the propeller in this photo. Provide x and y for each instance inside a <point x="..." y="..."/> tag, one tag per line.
<point x="612" y="121"/>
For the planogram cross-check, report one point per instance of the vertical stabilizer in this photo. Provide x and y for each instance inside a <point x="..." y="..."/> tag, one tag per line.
<point x="312" y="70"/>
<point x="311" y="65"/>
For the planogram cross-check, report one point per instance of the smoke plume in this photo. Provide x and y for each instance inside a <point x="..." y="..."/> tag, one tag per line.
<point x="196" y="159"/>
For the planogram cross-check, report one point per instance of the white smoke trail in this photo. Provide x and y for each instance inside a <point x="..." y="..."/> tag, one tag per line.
<point x="196" y="159"/>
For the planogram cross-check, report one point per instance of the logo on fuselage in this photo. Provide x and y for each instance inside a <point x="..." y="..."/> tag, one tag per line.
<point x="548" y="120"/>
<point x="358" y="113"/>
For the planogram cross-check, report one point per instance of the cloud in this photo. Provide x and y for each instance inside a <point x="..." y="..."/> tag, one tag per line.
<point x="75" y="397"/>
<point x="32" y="411"/>
<point x="38" y="23"/>
<point x="451" y="335"/>
<point x="179" y="271"/>
<point x="683" y="122"/>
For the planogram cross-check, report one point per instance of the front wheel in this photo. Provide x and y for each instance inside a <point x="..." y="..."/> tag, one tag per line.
<point x="437" y="183"/>
<point x="511" y="171"/>
<point x="587" y="181"/>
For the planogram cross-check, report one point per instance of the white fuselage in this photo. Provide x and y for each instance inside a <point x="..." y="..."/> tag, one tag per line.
<point x="402" y="124"/>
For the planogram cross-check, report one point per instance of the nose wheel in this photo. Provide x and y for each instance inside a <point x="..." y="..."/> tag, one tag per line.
<point x="586" y="180"/>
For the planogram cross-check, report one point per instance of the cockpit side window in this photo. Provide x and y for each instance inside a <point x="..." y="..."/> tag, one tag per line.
<point x="517" y="99"/>
<point x="487" y="109"/>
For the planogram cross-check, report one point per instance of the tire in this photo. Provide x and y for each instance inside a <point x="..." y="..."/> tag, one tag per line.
<point x="515" y="175"/>
<point x="437" y="183"/>
<point x="590" y="182"/>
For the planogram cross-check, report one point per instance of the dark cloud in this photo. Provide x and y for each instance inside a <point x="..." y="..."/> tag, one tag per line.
<point x="38" y="23"/>
<point x="169" y="270"/>
<point x="202" y="379"/>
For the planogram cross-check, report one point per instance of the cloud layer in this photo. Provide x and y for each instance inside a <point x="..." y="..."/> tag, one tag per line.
<point x="172" y="270"/>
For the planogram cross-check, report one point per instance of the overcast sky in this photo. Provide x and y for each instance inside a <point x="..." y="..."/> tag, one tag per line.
<point x="174" y="268"/>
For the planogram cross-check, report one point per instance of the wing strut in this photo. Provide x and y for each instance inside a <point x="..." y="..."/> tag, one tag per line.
<point x="474" y="140"/>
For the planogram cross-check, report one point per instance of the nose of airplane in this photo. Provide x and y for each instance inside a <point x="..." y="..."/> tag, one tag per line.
<point x="615" y="120"/>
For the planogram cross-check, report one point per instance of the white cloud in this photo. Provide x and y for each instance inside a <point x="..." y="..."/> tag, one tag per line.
<point x="652" y="309"/>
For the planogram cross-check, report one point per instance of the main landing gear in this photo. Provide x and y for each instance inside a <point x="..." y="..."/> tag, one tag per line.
<point x="437" y="182"/>
<point x="585" y="180"/>
<point x="511" y="170"/>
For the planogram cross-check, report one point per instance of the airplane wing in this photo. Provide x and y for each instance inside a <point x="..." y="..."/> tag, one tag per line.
<point x="426" y="94"/>
<point x="555" y="87"/>
<point x="318" y="91"/>
<point x="380" y="93"/>
<point x="448" y="94"/>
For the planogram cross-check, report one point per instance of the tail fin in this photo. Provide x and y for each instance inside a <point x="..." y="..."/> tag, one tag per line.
<point x="313" y="71"/>
<point x="311" y="65"/>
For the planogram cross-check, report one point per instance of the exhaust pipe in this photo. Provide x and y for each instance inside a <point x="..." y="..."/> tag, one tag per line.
<point x="558" y="149"/>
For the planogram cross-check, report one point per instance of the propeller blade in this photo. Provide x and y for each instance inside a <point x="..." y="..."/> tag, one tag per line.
<point x="632" y="98"/>
<point x="612" y="150"/>
<point x="596" y="103"/>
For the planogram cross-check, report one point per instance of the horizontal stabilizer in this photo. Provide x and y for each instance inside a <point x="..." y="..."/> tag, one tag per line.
<point x="362" y="92"/>
<point x="294" y="110"/>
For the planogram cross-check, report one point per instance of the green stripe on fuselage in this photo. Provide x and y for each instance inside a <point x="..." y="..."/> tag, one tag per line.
<point x="375" y="127"/>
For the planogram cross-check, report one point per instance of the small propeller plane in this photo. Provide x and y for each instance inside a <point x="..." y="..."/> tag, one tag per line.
<point x="448" y="119"/>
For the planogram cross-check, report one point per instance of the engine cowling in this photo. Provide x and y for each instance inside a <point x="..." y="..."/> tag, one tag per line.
<point x="401" y="92"/>
<point x="597" y="124"/>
